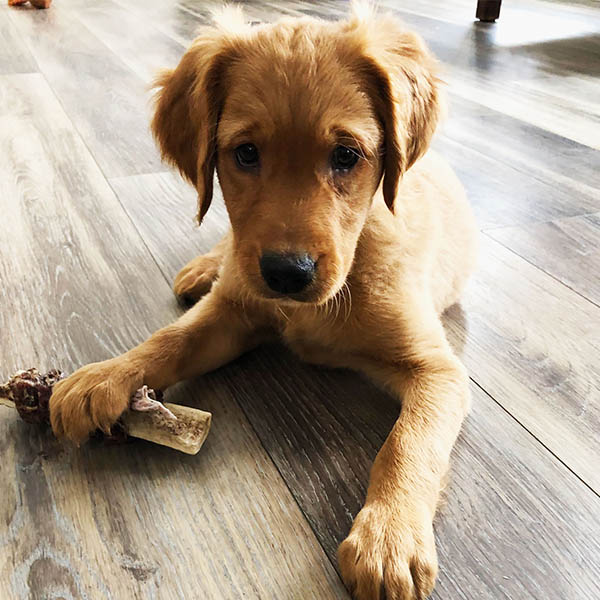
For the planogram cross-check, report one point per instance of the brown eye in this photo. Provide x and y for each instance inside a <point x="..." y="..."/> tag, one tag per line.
<point x="246" y="156"/>
<point x="344" y="158"/>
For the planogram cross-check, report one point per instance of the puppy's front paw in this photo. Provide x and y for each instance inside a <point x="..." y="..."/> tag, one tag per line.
<point x="389" y="553"/>
<point x="197" y="277"/>
<point x="94" y="397"/>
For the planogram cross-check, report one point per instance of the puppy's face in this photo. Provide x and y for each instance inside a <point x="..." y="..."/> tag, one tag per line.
<point x="298" y="146"/>
<point x="300" y="122"/>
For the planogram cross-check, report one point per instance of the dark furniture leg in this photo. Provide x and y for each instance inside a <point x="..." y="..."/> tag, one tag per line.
<point x="488" y="10"/>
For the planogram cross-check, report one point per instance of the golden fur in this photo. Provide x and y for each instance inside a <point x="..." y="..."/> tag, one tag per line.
<point x="394" y="237"/>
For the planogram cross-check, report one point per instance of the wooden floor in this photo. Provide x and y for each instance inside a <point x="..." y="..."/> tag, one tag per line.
<point x="93" y="229"/>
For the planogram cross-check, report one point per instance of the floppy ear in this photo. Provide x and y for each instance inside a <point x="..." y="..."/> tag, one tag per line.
<point x="402" y="82"/>
<point x="185" y="120"/>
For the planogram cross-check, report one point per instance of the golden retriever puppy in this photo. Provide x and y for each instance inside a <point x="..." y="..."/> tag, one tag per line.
<point x="348" y="239"/>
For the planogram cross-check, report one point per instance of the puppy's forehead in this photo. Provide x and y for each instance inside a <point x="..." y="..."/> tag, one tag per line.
<point x="293" y="80"/>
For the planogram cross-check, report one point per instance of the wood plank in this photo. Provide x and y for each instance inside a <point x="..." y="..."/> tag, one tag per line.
<point x="541" y="102"/>
<point x="163" y="208"/>
<point x="110" y="522"/>
<point x="529" y="73"/>
<point x="560" y="162"/>
<point x="503" y="194"/>
<point x="124" y="32"/>
<point x="106" y="101"/>
<point x="568" y="249"/>
<point x="323" y="428"/>
<point x="530" y="342"/>
<point x="178" y="20"/>
<point x="14" y="55"/>
<point x="519" y="15"/>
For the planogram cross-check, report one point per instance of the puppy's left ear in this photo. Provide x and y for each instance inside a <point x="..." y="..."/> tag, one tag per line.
<point x="404" y="88"/>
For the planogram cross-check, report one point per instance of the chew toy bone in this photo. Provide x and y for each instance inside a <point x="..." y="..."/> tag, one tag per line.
<point x="172" y="425"/>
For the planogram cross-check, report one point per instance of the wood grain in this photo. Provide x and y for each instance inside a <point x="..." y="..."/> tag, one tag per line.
<point x="125" y="32"/>
<point x="136" y="522"/>
<point x="567" y="249"/>
<point x="530" y="343"/>
<point x="543" y="155"/>
<point x="14" y="55"/>
<point x="503" y="194"/>
<point x="527" y="66"/>
<point x="179" y="20"/>
<point x="108" y="104"/>
<point x="163" y="207"/>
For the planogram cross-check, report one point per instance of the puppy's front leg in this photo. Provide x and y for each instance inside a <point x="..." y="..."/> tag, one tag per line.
<point x="391" y="545"/>
<point x="209" y="335"/>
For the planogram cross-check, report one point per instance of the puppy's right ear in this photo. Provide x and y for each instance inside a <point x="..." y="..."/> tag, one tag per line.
<point x="401" y="77"/>
<point x="188" y="103"/>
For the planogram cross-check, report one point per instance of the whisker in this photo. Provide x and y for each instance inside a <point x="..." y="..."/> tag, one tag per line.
<point x="346" y="287"/>
<point x="282" y="313"/>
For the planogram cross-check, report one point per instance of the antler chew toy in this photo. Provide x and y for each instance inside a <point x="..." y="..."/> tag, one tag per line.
<point x="172" y="425"/>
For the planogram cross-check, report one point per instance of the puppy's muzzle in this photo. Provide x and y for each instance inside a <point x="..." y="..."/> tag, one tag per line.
<point x="287" y="273"/>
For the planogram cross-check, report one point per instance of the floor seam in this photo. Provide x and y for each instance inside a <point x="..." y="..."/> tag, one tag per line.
<point x="542" y="270"/>
<point x="535" y="437"/>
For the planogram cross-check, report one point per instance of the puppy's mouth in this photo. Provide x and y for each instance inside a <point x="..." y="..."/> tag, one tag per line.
<point x="292" y="299"/>
<point x="316" y="294"/>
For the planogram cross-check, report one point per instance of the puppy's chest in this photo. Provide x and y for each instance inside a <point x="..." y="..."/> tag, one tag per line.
<point x="320" y="338"/>
<point x="334" y="334"/>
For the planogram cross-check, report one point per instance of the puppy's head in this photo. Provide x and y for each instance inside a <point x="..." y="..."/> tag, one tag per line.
<point x="301" y="120"/>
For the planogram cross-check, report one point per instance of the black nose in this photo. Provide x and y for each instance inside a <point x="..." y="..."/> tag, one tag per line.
<point x="287" y="273"/>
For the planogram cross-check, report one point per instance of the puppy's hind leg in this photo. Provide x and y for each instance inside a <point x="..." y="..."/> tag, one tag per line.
<point x="197" y="277"/>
